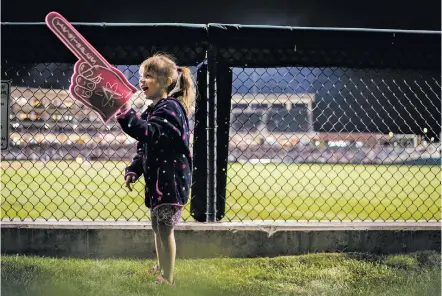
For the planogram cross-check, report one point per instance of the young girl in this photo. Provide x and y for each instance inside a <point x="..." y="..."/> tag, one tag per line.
<point x="163" y="154"/>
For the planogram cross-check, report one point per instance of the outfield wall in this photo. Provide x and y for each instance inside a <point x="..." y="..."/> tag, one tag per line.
<point x="208" y="240"/>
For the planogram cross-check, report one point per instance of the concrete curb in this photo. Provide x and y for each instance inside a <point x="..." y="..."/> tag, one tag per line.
<point x="133" y="239"/>
<point x="239" y="225"/>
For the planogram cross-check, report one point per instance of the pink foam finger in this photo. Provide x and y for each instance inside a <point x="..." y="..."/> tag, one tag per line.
<point x="76" y="43"/>
<point x="107" y="89"/>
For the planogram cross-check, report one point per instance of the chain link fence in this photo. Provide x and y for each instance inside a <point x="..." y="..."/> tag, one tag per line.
<point x="328" y="124"/>
<point x="320" y="136"/>
<point x="334" y="144"/>
<point x="63" y="162"/>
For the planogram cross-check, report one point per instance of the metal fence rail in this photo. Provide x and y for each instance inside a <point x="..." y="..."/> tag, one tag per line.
<point x="285" y="128"/>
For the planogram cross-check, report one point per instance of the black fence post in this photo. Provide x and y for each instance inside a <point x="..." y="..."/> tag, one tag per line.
<point x="224" y="98"/>
<point x="211" y="132"/>
<point x="198" y="202"/>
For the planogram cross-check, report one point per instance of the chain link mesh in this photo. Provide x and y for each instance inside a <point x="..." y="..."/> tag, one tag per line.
<point x="305" y="143"/>
<point x="334" y="144"/>
<point x="63" y="162"/>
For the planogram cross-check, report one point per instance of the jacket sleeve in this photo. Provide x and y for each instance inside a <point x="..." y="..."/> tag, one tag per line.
<point x="136" y="167"/>
<point x="166" y="121"/>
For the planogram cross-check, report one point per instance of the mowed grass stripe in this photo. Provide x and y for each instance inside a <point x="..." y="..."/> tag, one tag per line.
<point x="95" y="190"/>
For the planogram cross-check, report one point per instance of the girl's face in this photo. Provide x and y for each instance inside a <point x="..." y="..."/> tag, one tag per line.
<point x="151" y="86"/>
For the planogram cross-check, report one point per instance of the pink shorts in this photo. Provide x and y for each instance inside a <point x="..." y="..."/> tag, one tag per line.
<point x="167" y="215"/>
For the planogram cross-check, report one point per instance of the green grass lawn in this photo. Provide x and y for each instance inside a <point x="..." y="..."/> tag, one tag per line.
<point x="314" y="274"/>
<point x="95" y="190"/>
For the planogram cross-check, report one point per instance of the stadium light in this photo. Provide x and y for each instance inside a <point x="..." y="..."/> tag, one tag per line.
<point x="425" y="130"/>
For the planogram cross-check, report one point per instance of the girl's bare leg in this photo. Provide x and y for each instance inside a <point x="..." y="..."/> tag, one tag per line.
<point x="158" y="244"/>
<point x="167" y="237"/>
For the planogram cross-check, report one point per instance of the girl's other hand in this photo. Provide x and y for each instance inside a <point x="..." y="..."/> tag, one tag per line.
<point x="129" y="179"/>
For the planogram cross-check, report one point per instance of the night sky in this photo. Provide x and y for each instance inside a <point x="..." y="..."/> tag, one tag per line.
<point x="391" y="14"/>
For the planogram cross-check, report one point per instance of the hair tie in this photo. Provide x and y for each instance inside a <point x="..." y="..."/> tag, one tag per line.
<point x="175" y="88"/>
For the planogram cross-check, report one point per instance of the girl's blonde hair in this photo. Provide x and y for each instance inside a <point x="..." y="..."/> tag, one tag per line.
<point x="182" y="86"/>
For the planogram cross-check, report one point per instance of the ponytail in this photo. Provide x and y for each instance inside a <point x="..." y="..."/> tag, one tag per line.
<point x="184" y="89"/>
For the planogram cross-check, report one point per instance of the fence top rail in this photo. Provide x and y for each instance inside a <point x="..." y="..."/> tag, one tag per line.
<point x="259" y="46"/>
<point x="272" y="46"/>
<point x="331" y="29"/>
<point x="325" y="36"/>
<point x="237" y="26"/>
<point x="124" y="45"/>
<point x="104" y="24"/>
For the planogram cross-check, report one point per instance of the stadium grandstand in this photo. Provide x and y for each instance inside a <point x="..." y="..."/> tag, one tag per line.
<point x="48" y="124"/>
